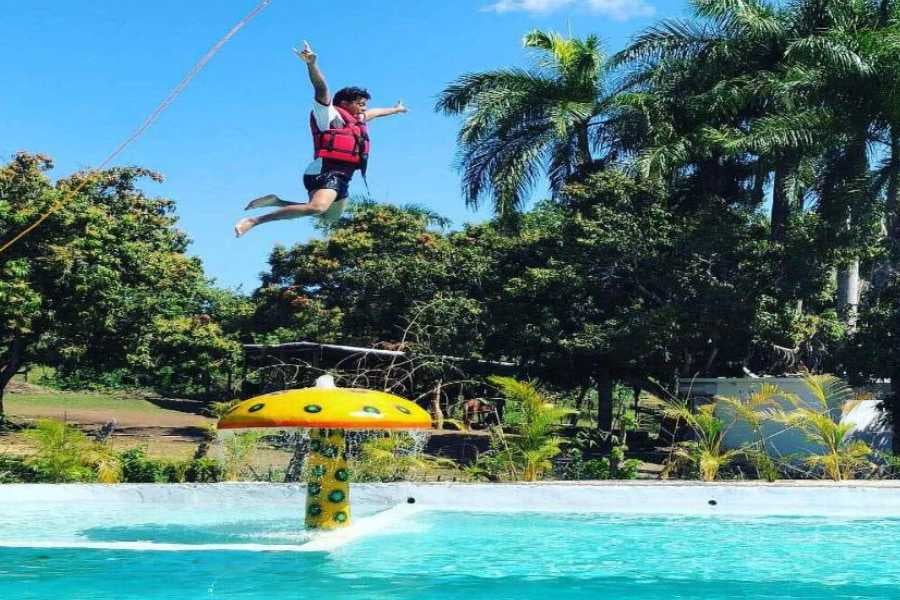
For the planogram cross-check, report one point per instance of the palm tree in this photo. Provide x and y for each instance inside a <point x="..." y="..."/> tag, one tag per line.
<point x="719" y="103"/>
<point x="795" y="91"/>
<point x="520" y="124"/>
<point x="529" y="453"/>
<point x="849" y="61"/>
<point x="837" y="454"/>
<point x="706" y="450"/>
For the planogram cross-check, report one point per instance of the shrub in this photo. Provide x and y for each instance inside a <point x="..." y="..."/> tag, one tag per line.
<point x="706" y="451"/>
<point x="528" y="454"/>
<point x="65" y="454"/>
<point x="614" y="466"/>
<point x="137" y="468"/>
<point x="15" y="469"/>
<point x="239" y="449"/>
<point x="393" y="457"/>
<point x="203" y="470"/>
<point x="839" y="457"/>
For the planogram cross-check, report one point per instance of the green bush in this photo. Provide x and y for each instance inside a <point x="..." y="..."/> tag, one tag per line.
<point x="528" y="455"/>
<point x="15" y="469"/>
<point x="394" y="457"/>
<point x="203" y="470"/>
<point x="138" y="468"/>
<point x="65" y="454"/>
<point x="614" y="466"/>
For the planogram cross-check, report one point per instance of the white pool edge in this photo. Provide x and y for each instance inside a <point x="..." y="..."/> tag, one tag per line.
<point x="870" y="499"/>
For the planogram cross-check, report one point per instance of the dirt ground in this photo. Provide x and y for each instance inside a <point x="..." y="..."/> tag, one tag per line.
<point x="164" y="432"/>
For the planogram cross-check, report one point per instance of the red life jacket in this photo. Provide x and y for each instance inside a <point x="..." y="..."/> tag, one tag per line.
<point x="348" y="144"/>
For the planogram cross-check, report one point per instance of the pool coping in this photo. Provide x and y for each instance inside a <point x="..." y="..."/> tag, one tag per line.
<point x="856" y="499"/>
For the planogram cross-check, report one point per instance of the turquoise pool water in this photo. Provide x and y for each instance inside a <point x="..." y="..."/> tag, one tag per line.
<point x="443" y="555"/>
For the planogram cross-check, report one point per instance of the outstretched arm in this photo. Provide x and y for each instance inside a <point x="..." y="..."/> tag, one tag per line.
<point x="315" y="75"/>
<point x="374" y="113"/>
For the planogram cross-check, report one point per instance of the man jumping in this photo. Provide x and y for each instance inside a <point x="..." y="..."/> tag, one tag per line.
<point x="340" y="144"/>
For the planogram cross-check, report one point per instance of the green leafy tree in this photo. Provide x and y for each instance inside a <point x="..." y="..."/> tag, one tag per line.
<point x="366" y="283"/>
<point x="101" y="281"/>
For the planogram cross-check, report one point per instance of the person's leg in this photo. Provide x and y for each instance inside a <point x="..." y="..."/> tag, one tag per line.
<point x="334" y="213"/>
<point x="319" y="202"/>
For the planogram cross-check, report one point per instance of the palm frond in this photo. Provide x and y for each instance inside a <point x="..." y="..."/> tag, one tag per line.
<point x="671" y="38"/>
<point x="833" y="53"/>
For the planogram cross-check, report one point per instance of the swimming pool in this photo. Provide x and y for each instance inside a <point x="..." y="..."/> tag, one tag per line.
<point x="497" y="541"/>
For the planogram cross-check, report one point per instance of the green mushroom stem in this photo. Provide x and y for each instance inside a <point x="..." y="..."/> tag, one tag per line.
<point x="328" y="480"/>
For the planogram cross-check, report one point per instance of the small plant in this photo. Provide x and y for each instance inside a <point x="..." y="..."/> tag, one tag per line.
<point x="888" y="465"/>
<point x="706" y="451"/>
<point x="203" y="470"/>
<point x="614" y="466"/>
<point x="527" y="454"/>
<point x="754" y="410"/>
<point x="137" y="467"/>
<point x="65" y="454"/>
<point x="393" y="457"/>
<point x="839" y="457"/>
<point x="494" y="465"/>
<point x="238" y="450"/>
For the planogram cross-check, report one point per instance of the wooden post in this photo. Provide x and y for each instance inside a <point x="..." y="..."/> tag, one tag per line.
<point x="437" y="415"/>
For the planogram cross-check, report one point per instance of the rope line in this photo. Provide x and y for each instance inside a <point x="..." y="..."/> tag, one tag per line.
<point x="176" y="91"/>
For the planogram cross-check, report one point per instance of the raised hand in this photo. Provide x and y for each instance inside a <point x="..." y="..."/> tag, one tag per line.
<point x="400" y="107"/>
<point x="306" y="55"/>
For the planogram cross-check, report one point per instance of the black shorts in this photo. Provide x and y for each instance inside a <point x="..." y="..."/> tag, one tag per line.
<point x="338" y="181"/>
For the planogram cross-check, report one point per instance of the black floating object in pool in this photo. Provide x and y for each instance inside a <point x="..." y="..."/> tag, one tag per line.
<point x="712" y="502"/>
<point x="410" y="500"/>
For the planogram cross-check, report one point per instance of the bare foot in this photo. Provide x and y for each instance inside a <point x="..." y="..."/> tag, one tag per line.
<point x="243" y="226"/>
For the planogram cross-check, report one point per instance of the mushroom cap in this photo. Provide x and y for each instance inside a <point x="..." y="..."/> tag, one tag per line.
<point x="328" y="408"/>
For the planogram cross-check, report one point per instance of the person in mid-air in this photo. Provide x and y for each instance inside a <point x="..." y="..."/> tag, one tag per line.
<point x="341" y="147"/>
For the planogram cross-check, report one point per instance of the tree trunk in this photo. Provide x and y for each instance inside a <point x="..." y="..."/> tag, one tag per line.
<point x="894" y="410"/>
<point x="573" y="420"/>
<point x="436" y="413"/>
<point x="604" y="400"/>
<point x="781" y="204"/>
<point x="852" y="188"/>
<point x="584" y="146"/>
<point x="848" y="293"/>
<point x="10" y="367"/>
<point x="759" y="183"/>
<point x="892" y="201"/>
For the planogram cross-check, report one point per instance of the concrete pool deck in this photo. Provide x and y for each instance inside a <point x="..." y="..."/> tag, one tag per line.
<point x="850" y="499"/>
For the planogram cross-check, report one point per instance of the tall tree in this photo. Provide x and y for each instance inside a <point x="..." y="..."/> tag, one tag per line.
<point x="89" y="288"/>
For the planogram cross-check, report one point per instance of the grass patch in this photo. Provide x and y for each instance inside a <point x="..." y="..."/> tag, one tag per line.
<point x="46" y="398"/>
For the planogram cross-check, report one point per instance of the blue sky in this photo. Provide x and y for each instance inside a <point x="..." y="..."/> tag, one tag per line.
<point x="79" y="76"/>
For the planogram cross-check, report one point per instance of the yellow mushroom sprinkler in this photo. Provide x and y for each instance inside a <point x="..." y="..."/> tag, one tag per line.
<point x="327" y="412"/>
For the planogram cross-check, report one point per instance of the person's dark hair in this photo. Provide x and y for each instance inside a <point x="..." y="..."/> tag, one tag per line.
<point x="350" y="94"/>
